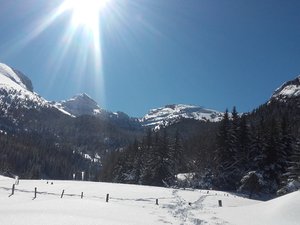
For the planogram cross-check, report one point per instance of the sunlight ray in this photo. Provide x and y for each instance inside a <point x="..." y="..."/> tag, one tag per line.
<point x="82" y="38"/>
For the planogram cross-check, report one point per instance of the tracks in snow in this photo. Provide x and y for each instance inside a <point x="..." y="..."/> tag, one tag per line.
<point x="189" y="213"/>
<point x="182" y="210"/>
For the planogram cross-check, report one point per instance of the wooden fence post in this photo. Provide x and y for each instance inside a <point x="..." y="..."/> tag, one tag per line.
<point x="107" y="197"/>
<point x="13" y="190"/>
<point x="35" y="191"/>
<point x="62" y="194"/>
<point x="220" y="203"/>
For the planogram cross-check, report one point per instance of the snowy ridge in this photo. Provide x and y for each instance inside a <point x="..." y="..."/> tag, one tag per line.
<point x="16" y="91"/>
<point x="83" y="104"/>
<point x="12" y="87"/>
<point x="171" y="113"/>
<point x="10" y="78"/>
<point x="288" y="90"/>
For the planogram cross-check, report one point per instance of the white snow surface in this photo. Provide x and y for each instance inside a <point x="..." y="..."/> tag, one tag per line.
<point x="170" y="113"/>
<point x="135" y="205"/>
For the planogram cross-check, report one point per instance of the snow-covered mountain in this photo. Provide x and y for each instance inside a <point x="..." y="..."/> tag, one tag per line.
<point x="83" y="104"/>
<point x="80" y="104"/>
<point x="16" y="86"/>
<point x="16" y="93"/>
<point x="169" y="114"/>
<point x="11" y="78"/>
<point x="289" y="89"/>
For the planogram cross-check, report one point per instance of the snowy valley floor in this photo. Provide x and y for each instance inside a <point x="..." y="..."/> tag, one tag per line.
<point x="135" y="205"/>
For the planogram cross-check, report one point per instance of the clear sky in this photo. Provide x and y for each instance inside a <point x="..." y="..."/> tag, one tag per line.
<point x="149" y="53"/>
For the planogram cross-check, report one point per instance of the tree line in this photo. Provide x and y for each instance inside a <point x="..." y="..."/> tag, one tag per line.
<point x="154" y="160"/>
<point x="254" y="152"/>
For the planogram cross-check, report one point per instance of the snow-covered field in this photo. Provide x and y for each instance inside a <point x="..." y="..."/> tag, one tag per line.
<point x="135" y="205"/>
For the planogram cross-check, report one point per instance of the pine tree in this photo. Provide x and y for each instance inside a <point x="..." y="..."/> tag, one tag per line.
<point x="272" y="168"/>
<point x="137" y="163"/>
<point x="146" y="149"/>
<point x="157" y="165"/>
<point x="286" y="145"/>
<point x="225" y="160"/>
<point x="257" y="146"/>
<point x="244" y="142"/>
<point x="293" y="170"/>
<point x="176" y="157"/>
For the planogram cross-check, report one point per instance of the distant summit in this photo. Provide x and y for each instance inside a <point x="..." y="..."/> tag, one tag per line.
<point x="169" y="114"/>
<point x="16" y="92"/>
<point x="80" y="104"/>
<point x="289" y="89"/>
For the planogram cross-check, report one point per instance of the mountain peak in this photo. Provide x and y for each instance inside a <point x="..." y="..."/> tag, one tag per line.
<point x="81" y="104"/>
<point x="169" y="114"/>
<point x="14" y="78"/>
<point x="84" y="97"/>
<point x="16" y="92"/>
<point x="289" y="89"/>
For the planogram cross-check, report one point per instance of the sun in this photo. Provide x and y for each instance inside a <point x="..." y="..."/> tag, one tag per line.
<point x="85" y="13"/>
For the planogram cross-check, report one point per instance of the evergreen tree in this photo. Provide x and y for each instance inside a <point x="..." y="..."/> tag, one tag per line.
<point x="271" y="158"/>
<point x="161" y="163"/>
<point x="293" y="170"/>
<point x="244" y="143"/>
<point x="286" y="145"/>
<point x="176" y="157"/>
<point x="225" y="156"/>
<point x="137" y="163"/>
<point x="257" y="146"/>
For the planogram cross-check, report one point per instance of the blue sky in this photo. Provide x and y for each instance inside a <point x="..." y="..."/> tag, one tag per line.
<point x="215" y="54"/>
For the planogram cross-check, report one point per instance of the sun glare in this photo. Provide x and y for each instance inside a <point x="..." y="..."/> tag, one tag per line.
<point x="85" y="12"/>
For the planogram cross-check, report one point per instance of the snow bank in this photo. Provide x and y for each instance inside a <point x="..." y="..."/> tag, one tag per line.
<point x="280" y="211"/>
<point x="5" y="178"/>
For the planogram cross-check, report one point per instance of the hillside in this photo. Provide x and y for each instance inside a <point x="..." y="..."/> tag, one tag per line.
<point x="42" y="139"/>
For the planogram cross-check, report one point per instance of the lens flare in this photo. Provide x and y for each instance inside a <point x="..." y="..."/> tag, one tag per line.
<point x="85" y="12"/>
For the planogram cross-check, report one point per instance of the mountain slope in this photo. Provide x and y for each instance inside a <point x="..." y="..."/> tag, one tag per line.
<point x="40" y="139"/>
